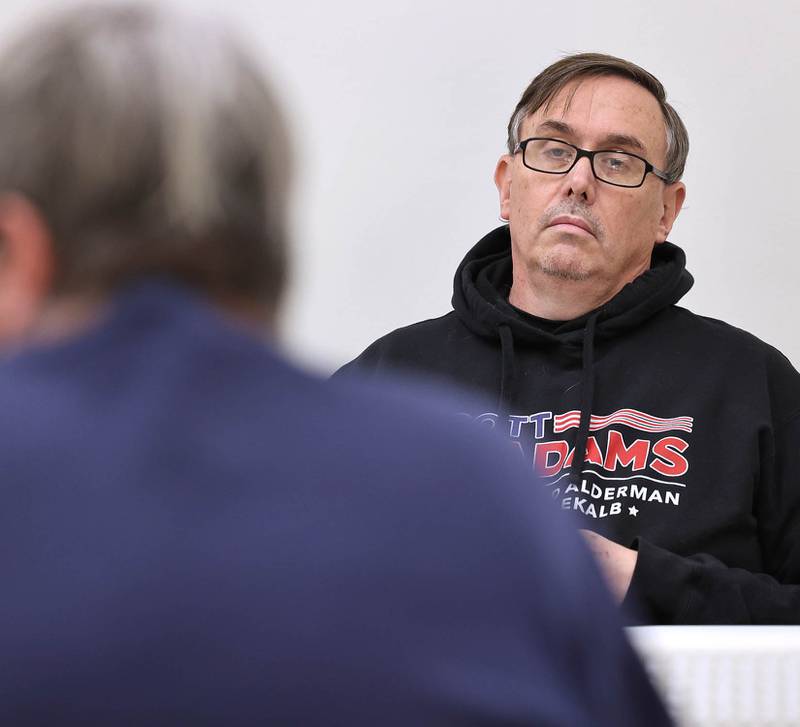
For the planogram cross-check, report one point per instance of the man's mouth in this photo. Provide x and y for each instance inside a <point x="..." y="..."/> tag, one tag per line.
<point x="569" y="221"/>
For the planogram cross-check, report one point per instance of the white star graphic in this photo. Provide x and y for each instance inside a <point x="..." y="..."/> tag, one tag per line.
<point x="633" y="511"/>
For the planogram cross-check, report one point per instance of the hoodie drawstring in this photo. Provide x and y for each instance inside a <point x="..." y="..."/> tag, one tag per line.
<point x="587" y="388"/>
<point x="587" y="397"/>
<point x="507" y="366"/>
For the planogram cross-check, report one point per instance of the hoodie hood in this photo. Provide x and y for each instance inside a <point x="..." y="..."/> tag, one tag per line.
<point x="483" y="281"/>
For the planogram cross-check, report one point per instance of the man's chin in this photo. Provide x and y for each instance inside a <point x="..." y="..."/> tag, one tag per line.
<point x="564" y="268"/>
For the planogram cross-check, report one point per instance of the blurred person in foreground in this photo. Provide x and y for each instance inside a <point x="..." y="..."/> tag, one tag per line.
<point x="671" y="437"/>
<point x="193" y="531"/>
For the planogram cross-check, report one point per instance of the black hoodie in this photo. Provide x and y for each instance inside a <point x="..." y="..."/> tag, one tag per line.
<point x="692" y="450"/>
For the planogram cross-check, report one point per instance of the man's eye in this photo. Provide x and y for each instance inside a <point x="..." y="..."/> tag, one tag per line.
<point x="557" y="153"/>
<point x="616" y="163"/>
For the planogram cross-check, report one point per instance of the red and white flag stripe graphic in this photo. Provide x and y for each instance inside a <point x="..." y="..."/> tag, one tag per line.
<point x="628" y="417"/>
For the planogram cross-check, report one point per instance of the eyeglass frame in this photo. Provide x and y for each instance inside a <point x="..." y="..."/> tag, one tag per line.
<point x="648" y="167"/>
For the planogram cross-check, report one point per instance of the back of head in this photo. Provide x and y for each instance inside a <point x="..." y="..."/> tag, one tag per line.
<point x="151" y="145"/>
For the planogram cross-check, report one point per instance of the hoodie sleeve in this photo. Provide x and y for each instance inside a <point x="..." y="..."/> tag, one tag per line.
<point x="700" y="589"/>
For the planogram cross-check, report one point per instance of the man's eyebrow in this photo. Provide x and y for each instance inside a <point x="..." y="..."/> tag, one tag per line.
<point x="608" y="141"/>
<point x="557" y="126"/>
<point x="615" y="140"/>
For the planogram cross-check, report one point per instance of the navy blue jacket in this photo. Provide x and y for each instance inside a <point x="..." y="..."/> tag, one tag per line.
<point x="194" y="532"/>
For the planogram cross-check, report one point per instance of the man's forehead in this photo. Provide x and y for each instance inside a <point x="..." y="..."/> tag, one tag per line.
<point x="605" y="109"/>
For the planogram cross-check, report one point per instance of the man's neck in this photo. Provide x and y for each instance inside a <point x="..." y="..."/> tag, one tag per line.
<point x="64" y="316"/>
<point x="558" y="299"/>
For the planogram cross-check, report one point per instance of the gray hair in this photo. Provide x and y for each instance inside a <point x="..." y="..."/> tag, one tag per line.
<point x="542" y="89"/>
<point x="151" y="144"/>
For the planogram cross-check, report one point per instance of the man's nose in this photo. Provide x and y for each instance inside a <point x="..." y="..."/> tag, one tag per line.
<point x="580" y="180"/>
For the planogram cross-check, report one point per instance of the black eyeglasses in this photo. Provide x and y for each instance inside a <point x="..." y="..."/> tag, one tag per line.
<point x="620" y="168"/>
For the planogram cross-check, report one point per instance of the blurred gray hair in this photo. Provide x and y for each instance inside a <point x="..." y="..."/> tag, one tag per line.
<point x="151" y="144"/>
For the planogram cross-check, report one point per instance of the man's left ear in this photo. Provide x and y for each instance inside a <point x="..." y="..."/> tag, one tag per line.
<point x="502" y="180"/>
<point x="674" y="194"/>
<point x="27" y="265"/>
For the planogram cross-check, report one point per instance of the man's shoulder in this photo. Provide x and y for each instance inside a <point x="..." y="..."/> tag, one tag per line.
<point x="179" y="378"/>
<point x="741" y="357"/>
<point x="405" y="347"/>
<point x="724" y="336"/>
<point x="429" y="329"/>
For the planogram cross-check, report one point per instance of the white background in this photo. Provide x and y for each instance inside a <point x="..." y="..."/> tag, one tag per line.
<point x="399" y="111"/>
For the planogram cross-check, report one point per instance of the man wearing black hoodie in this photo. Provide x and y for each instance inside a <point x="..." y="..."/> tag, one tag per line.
<point x="686" y="475"/>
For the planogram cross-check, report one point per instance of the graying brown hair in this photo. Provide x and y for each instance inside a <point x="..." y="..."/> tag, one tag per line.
<point x="555" y="77"/>
<point x="151" y="144"/>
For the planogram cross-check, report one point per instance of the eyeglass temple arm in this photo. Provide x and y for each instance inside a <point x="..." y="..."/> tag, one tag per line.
<point x="663" y="176"/>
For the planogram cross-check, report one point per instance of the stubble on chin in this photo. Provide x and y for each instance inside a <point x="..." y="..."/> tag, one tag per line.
<point x="556" y="266"/>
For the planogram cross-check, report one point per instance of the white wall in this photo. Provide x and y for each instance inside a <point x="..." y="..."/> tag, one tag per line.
<point x="399" y="114"/>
